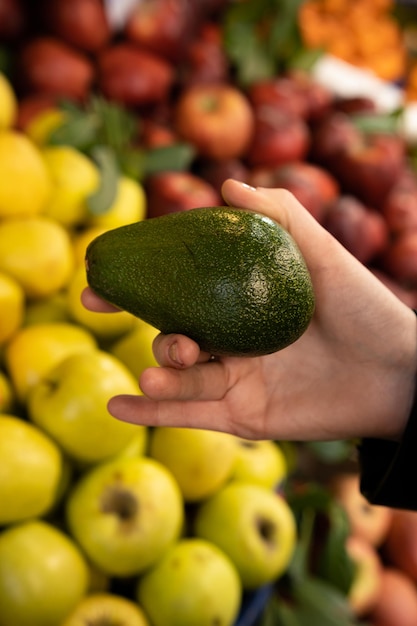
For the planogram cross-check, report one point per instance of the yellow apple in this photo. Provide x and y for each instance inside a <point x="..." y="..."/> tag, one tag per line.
<point x="366" y="585"/>
<point x="37" y="252"/>
<point x="125" y="514"/>
<point x="12" y="307"/>
<point x="34" y="350"/>
<point x="129" y="205"/>
<point x="104" y="326"/>
<point x="43" y="575"/>
<point x="106" y="608"/>
<point x="254" y="526"/>
<point x="47" y="310"/>
<point x="31" y="470"/>
<point x="75" y="177"/>
<point x="7" y="395"/>
<point x="194" y="583"/>
<point x="70" y="404"/>
<point x="260" y="462"/>
<point x="200" y="460"/>
<point x="134" y="349"/>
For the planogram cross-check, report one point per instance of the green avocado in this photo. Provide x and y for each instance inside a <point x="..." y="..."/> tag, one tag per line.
<point x="232" y="280"/>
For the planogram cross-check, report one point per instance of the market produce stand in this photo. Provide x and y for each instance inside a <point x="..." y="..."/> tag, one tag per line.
<point x="116" y="112"/>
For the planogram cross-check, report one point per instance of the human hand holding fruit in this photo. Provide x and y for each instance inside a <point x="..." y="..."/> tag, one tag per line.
<point x="287" y="394"/>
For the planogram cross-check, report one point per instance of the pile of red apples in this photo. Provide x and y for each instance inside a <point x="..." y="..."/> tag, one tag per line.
<point x="165" y="61"/>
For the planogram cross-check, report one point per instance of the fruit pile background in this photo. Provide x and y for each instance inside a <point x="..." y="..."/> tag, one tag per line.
<point x="107" y="119"/>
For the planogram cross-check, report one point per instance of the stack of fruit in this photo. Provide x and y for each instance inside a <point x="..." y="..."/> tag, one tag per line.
<point x="183" y="521"/>
<point x="101" y="517"/>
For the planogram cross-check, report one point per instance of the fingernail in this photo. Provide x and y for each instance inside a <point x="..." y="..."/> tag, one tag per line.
<point x="248" y="187"/>
<point x="173" y="353"/>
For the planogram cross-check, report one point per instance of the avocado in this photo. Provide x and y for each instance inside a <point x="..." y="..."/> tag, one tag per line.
<point x="232" y="280"/>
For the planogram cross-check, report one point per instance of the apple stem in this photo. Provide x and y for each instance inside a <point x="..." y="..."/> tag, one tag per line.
<point x="267" y="531"/>
<point x="120" y="502"/>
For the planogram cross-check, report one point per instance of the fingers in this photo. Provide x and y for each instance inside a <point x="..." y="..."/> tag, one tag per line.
<point x="282" y="206"/>
<point x="146" y="412"/>
<point x="94" y="303"/>
<point x="202" y="381"/>
<point x="178" y="351"/>
<point x="316" y="244"/>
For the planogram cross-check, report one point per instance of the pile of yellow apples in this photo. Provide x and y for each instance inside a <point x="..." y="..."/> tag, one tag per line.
<point x="103" y="521"/>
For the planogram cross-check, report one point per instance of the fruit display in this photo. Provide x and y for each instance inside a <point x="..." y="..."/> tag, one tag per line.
<point x="109" y="116"/>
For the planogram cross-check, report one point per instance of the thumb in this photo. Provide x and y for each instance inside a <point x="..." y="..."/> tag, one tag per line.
<point x="282" y="206"/>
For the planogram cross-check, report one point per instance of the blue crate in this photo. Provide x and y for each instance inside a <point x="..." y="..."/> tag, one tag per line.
<point x="253" y="605"/>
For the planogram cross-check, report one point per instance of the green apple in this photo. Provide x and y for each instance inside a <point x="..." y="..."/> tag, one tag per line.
<point x="99" y="609"/>
<point x="35" y="349"/>
<point x="31" y="470"/>
<point x="194" y="583"/>
<point x="200" y="460"/>
<point x="43" y="575"/>
<point x="254" y="526"/>
<point x="70" y="404"/>
<point x="125" y="514"/>
<point x="260" y="462"/>
<point x="135" y="348"/>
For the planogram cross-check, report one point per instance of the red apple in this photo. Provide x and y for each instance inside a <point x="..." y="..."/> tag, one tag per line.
<point x="13" y="20"/>
<point x="205" y="60"/>
<point x="279" y="137"/>
<point x="281" y="92"/>
<point x="371" y="167"/>
<point x="366" y="586"/>
<point x="155" y="134"/>
<point x="331" y="136"/>
<point x="47" y="65"/>
<point x="355" y="104"/>
<point x="400" y="206"/>
<point x="311" y="184"/>
<point x="318" y="98"/>
<point x="134" y="77"/>
<point x="369" y="522"/>
<point x="170" y="192"/>
<point x="400" y="259"/>
<point x="80" y="23"/>
<point x="360" y="229"/>
<point x="400" y="547"/>
<point x="164" y="27"/>
<point x="216" y="118"/>
<point x="397" y="601"/>
<point x="216" y="172"/>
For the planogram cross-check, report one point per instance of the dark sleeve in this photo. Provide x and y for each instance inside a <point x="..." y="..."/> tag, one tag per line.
<point x="388" y="469"/>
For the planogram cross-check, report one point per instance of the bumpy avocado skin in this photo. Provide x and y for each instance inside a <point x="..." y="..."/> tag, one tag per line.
<point x="232" y="280"/>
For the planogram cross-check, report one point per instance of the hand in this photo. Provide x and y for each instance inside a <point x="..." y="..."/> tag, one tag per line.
<point x="350" y="375"/>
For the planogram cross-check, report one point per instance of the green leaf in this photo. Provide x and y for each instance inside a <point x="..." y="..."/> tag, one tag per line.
<point x="321" y="604"/>
<point x="331" y="451"/>
<point x="335" y="564"/>
<point x="279" y="613"/>
<point x="378" y="122"/>
<point x="78" y="131"/>
<point x="118" y="126"/>
<point x="261" y="38"/>
<point x="101" y="201"/>
<point x="176" y="157"/>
